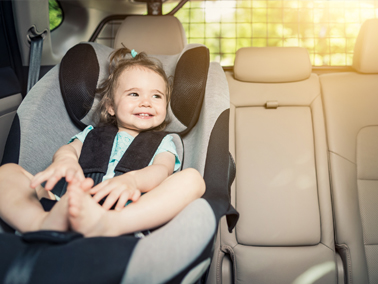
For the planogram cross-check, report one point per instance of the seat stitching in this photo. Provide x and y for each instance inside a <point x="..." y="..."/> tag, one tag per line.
<point x="327" y="246"/>
<point x="342" y="157"/>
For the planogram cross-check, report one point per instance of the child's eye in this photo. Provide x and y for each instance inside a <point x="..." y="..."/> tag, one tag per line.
<point x="157" y="96"/>
<point x="133" y="95"/>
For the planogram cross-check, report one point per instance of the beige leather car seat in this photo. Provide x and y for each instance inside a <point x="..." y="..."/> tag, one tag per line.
<point x="281" y="190"/>
<point x="351" y="111"/>
<point x="163" y="35"/>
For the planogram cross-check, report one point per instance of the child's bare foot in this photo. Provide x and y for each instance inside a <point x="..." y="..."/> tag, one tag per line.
<point x="85" y="215"/>
<point x="57" y="218"/>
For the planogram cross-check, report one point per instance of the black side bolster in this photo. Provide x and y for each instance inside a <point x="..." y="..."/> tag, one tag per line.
<point x="78" y="75"/>
<point x="217" y="172"/>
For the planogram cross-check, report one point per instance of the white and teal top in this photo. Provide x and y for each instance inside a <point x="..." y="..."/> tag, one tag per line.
<point x="122" y="142"/>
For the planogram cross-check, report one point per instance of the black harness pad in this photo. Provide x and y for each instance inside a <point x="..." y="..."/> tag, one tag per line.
<point x="97" y="148"/>
<point x="140" y="152"/>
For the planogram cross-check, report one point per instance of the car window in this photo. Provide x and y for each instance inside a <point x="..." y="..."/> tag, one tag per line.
<point x="328" y="29"/>
<point x="55" y="14"/>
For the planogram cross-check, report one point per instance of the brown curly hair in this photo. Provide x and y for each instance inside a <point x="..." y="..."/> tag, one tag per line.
<point x="121" y="60"/>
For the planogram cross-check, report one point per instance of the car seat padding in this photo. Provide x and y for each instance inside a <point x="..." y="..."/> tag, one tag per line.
<point x="189" y="86"/>
<point x="78" y="84"/>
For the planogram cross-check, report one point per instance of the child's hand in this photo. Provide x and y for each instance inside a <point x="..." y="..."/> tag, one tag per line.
<point x="121" y="188"/>
<point x="68" y="168"/>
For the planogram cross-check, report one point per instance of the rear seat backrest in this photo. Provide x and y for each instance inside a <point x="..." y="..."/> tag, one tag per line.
<point x="350" y="104"/>
<point x="281" y="190"/>
<point x="163" y="35"/>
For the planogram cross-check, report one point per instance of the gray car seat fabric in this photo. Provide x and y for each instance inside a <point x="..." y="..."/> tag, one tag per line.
<point x="350" y="104"/>
<point x="281" y="189"/>
<point x="173" y="248"/>
<point x="45" y="125"/>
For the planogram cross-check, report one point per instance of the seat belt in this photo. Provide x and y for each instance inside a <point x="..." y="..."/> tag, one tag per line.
<point x="36" y="46"/>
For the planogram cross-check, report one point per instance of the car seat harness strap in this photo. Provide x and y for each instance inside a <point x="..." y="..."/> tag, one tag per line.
<point x="97" y="148"/>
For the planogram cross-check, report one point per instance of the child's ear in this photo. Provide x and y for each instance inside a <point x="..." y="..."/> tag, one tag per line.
<point x="110" y="110"/>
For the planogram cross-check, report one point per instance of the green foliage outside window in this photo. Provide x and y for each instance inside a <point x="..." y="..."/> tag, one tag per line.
<point x="55" y="14"/>
<point x="327" y="28"/>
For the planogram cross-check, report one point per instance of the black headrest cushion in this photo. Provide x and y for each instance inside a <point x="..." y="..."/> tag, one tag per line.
<point x="189" y="86"/>
<point x="78" y="76"/>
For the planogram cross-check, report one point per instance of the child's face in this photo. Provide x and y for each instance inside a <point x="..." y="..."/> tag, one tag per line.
<point x="140" y="100"/>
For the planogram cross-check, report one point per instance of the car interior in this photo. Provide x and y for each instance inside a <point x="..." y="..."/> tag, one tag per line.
<point x="291" y="91"/>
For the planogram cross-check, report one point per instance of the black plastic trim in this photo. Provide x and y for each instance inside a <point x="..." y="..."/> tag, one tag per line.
<point x="11" y="37"/>
<point x="8" y="82"/>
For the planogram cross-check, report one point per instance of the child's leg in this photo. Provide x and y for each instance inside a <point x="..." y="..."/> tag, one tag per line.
<point x="20" y="206"/>
<point x="152" y="209"/>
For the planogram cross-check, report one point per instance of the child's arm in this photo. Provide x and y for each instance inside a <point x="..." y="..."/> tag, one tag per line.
<point x="130" y="185"/>
<point x="65" y="164"/>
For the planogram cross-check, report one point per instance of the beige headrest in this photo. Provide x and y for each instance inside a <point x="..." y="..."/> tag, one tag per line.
<point x="365" y="58"/>
<point x="272" y="64"/>
<point x="163" y="35"/>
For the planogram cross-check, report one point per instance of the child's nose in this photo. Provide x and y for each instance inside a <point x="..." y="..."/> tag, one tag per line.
<point x="146" y="102"/>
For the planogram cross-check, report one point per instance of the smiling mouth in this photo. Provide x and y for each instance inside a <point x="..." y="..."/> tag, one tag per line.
<point x="143" y="115"/>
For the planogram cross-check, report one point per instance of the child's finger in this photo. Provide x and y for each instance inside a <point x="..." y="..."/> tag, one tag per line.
<point x="122" y="200"/>
<point x="70" y="174"/>
<point x="80" y="175"/>
<point x="98" y="187"/>
<point x="111" y="198"/>
<point x="135" y="195"/>
<point x="51" y="182"/>
<point x="40" y="177"/>
<point x="87" y="184"/>
<point x="102" y="193"/>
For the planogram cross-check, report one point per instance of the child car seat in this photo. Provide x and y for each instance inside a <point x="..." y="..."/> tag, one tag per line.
<point x="179" y="251"/>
